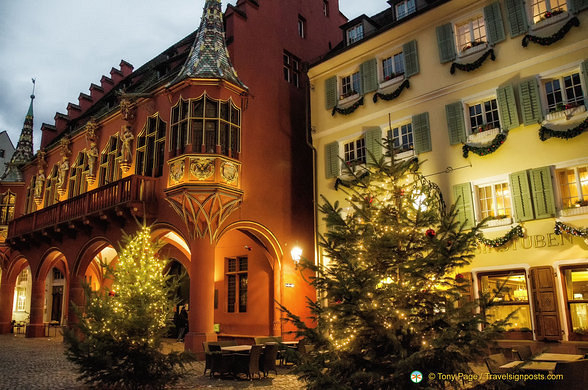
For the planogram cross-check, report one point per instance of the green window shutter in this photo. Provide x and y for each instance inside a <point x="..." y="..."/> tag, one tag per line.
<point x="464" y="204"/>
<point x="331" y="92"/>
<point x="530" y="101"/>
<point x="369" y="75"/>
<point x="494" y="24"/>
<point x="421" y="133"/>
<point x="411" y="58"/>
<point x="517" y="17"/>
<point x="577" y="5"/>
<point x="584" y="75"/>
<point x="332" y="160"/>
<point x="521" y="196"/>
<point x="542" y="189"/>
<point x="446" y="43"/>
<point x="373" y="144"/>
<point x="455" y="123"/>
<point x="507" y="107"/>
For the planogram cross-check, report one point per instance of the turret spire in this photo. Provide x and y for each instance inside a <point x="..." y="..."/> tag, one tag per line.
<point x="24" y="147"/>
<point x="209" y="57"/>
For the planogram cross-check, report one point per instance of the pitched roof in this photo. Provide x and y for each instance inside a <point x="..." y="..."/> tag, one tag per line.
<point x="209" y="57"/>
<point x="24" y="149"/>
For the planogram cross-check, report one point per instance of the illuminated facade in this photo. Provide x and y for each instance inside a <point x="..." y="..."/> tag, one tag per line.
<point x="491" y="97"/>
<point x="217" y="162"/>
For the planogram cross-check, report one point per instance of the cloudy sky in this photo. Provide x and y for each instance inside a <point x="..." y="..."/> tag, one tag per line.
<point x="68" y="44"/>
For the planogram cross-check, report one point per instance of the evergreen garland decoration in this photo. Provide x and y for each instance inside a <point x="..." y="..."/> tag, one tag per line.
<point x="545" y="41"/>
<point x="393" y="95"/>
<point x="474" y="65"/>
<point x="561" y="228"/>
<point x="487" y="149"/>
<point x="348" y="110"/>
<point x="545" y="133"/>
<point x="516" y="231"/>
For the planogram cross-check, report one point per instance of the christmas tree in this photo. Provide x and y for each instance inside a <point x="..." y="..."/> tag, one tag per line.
<point x="391" y="300"/>
<point x="117" y="340"/>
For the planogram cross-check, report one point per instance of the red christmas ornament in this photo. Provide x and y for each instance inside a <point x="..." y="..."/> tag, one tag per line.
<point x="430" y="233"/>
<point x="459" y="278"/>
<point x="112" y="294"/>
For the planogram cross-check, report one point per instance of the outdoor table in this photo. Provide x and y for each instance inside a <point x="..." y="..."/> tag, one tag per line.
<point x="512" y="364"/>
<point x="557" y="357"/>
<point x="539" y="366"/>
<point x="290" y="342"/>
<point x="237" y="348"/>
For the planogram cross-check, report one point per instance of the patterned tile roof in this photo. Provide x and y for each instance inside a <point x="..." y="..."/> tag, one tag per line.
<point x="24" y="149"/>
<point x="209" y="57"/>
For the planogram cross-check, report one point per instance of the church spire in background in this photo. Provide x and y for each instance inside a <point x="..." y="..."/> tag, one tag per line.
<point x="209" y="57"/>
<point x="24" y="149"/>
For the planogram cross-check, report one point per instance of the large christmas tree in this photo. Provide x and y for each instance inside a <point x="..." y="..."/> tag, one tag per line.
<point x="391" y="300"/>
<point x="117" y="340"/>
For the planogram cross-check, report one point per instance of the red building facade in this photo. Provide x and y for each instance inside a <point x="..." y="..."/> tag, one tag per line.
<point x="219" y="163"/>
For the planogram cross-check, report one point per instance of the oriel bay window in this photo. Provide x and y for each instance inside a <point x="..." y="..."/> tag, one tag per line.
<point x="507" y="293"/>
<point x="151" y="147"/>
<point x="208" y="125"/>
<point x="237" y="284"/>
<point x="576" y="294"/>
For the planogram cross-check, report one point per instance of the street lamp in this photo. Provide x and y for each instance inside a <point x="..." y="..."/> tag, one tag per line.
<point x="296" y="254"/>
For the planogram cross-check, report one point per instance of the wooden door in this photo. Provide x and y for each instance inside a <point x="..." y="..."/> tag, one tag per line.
<point x="546" y="313"/>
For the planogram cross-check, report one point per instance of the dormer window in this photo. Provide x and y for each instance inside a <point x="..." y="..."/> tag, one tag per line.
<point x="405" y="8"/>
<point x="354" y="34"/>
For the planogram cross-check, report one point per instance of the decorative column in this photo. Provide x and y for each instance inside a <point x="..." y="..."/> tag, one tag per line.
<point x="36" y="328"/>
<point x="276" y="314"/>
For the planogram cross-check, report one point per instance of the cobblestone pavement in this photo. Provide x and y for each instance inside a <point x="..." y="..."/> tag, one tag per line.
<point x="39" y="363"/>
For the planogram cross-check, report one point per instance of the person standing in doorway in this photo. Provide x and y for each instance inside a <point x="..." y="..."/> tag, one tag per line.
<point x="182" y="324"/>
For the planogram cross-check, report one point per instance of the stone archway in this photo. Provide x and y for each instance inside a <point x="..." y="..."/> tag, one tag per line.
<point x="11" y="290"/>
<point x="254" y="244"/>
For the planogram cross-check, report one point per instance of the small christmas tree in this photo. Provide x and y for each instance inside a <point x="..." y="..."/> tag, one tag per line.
<point x="390" y="299"/>
<point x="117" y="341"/>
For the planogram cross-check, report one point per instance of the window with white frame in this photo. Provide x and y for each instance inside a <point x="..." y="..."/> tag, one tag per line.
<point x="573" y="186"/>
<point x="350" y="85"/>
<point x="393" y="66"/>
<point x="405" y="8"/>
<point x="494" y="200"/>
<point x="401" y="137"/>
<point x="21" y="298"/>
<point x="563" y="92"/>
<point x="470" y="33"/>
<point x="354" y="34"/>
<point x="483" y="115"/>
<point x="354" y="151"/>
<point x="545" y="9"/>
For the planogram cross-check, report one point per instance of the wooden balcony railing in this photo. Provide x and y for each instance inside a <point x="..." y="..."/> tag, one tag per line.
<point x="131" y="189"/>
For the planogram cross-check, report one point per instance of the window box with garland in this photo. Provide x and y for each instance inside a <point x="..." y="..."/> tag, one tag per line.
<point x="421" y="139"/>
<point x="473" y="36"/>
<point x="531" y="197"/>
<point x="542" y="17"/>
<point x="488" y="120"/>
<point x="376" y="74"/>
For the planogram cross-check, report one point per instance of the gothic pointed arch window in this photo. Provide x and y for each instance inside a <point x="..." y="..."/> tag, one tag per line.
<point x="209" y="125"/>
<point x="77" y="179"/>
<point x="7" y="200"/>
<point x="151" y="147"/>
<point x="51" y="194"/>
<point x="110" y="160"/>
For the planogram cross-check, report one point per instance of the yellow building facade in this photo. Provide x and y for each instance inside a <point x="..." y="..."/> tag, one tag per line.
<point x="491" y="97"/>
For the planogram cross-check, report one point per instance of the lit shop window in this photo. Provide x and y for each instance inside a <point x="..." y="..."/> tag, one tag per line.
<point x="576" y="290"/>
<point x="508" y="293"/>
